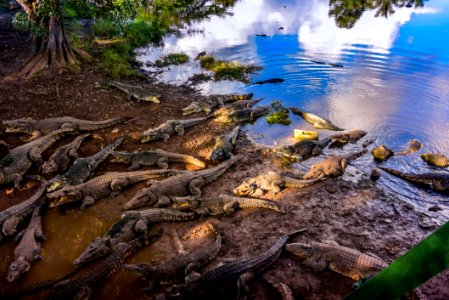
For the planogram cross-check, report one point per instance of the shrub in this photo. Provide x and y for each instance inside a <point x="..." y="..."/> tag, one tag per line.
<point x="140" y="33"/>
<point x="116" y="64"/>
<point x="278" y="114"/>
<point x="105" y="28"/>
<point x="20" y="21"/>
<point x="173" y="59"/>
<point x="227" y="69"/>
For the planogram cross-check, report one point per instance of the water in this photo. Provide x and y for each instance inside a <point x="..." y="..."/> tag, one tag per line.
<point x="394" y="83"/>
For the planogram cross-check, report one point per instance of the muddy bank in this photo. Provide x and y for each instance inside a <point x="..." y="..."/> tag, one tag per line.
<point x="357" y="215"/>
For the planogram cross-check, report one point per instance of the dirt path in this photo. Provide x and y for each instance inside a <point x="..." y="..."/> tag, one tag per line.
<point x="357" y="215"/>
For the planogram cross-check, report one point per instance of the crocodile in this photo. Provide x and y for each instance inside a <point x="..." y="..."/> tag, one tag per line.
<point x="133" y="224"/>
<point x="21" y="158"/>
<point x="244" y="115"/>
<point x="332" y="166"/>
<point x="80" y="287"/>
<point x="171" y="127"/>
<point x="303" y="150"/>
<point x="316" y="121"/>
<point x="11" y="217"/>
<point x="241" y="270"/>
<point x="157" y="157"/>
<point x="224" y="204"/>
<point x="438" y="182"/>
<point x="189" y="183"/>
<point x="271" y="80"/>
<point x="341" y="138"/>
<point x="101" y="186"/>
<point x="135" y="91"/>
<point x="436" y="159"/>
<point x="167" y="272"/>
<point x="38" y="128"/>
<point x="346" y="261"/>
<point x="238" y="105"/>
<point x="60" y="159"/>
<point x="211" y="102"/>
<point x="29" y="249"/>
<point x="83" y="168"/>
<point x="413" y="146"/>
<point x="224" y="145"/>
<point x="271" y="182"/>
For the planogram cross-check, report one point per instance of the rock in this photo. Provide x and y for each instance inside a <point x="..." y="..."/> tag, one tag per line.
<point x="115" y="130"/>
<point x="435" y="208"/>
<point x="382" y="153"/>
<point x="375" y="174"/>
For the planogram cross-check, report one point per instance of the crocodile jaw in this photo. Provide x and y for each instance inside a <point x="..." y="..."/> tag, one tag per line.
<point x="97" y="248"/>
<point x="142" y="198"/>
<point x="299" y="249"/>
<point x="150" y="136"/>
<point x="17" y="268"/>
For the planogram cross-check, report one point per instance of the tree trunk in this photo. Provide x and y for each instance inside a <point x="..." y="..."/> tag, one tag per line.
<point x="54" y="49"/>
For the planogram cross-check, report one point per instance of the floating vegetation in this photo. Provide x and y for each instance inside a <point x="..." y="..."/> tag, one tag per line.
<point x="278" y="114"/>
<point x="172" y="59"/>
<point x="230" y="70"/>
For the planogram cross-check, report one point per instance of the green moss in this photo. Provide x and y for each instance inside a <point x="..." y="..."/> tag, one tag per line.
<point x="173" y="59"/>
<point x="226" y="69"/>
<point x="279" y="114"/>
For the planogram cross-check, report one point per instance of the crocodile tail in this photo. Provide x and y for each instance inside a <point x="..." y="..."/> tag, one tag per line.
<point x="105" y="123"/>
<point x="400" y="174"/>
<point x="217" y="171"/>
<point x="190" y="160"/>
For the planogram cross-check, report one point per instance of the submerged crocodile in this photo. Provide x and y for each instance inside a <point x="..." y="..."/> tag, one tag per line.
<point x="351" y="136"/>
<point x="316" y="121"/>
<point x="29" y="249"/>
<point x="189" y="183"/>
<point x="271" y="182"/>
<point x="157" y="157"/>
<point x="101" y="186"/>
<point x="11" y="217"/>
<point x="224" y="204"/>
<point x="244" y="115"/>
<point x="271" y="80"/>
<point x="171" y="271"/>
<point x="332" y="166"/>
<point x="346" y="261"/>
<point x="242" y="269"/>
<point x="81" y="287"/>
<point x="212" y="102"/>
<point x="38" y="128"/>
<point x="438" y="182"/>
<point x="21" y="158"/>
<point x="435" y="159"/>
<point x="303" y="150"/>
<point x="82" y="168"/>
<point x="224" y="145"/>
<point x="135" y="92"/>
<point x="413" y="146"/>
<point x="60" y="159"/>
<point x="169" y="128"/>
<point x="133" y="224"/>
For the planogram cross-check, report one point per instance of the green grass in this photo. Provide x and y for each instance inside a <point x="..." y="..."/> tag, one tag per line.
<point x="173" y="59"/>
<point x="140" y="33"/>
<point x="227" y="69"/>
<point x="279" y="114"/>
<point x="105" y="28"/>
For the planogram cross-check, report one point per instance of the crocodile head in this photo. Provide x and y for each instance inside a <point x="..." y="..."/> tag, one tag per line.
<point x="17" y="268"/>
<point x="194" y="107"/>
<point x="144" y="197"/>
<point x="219" y="154"/>
<point x="19" y="125"/>
<point x="150" y="135"/>
<point x="56" y="184"/>
<point x="299" y="249"/>
<point x="49" y="167"/>
<point x="98" y="248"/>
<point x="245" y="189"/>
<point x="65" y="195"/>
<point x="121" y="157"/>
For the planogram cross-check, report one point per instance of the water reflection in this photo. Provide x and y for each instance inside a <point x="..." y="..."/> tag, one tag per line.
<point x="393" y="82"/>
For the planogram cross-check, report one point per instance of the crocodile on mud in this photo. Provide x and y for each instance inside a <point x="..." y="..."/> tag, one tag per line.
<point x="135" y="92"/>
<point x="346" y="261"/>
<point x="81" y="287"/>
<point x="316" y="121"/>
<point x="171" y="271"/>
<point x="436" y="159"/>
<point x="38" y="128"/>
<point x="21" y="158"/>
<point x="157" y="157"/>
<point x="239" y="271"/>
<point x="29" y="249"/>
<point x="212" y="102"/>
<point x="238" y="105"/>
<point x="271" y="182"/>
<point x="109" y="184"/>
<point x="438" y="182"/>
<point x="332" y="166"/>
<point x="224" y="204"/>
<point x="244" y="115"/>
<point x="60" y="159"/>
<point x="133" y="224"/>
<point x="189" y="183"/>
<point x="83" y="168"/>
<point x="11" y="217"/>
<point x="341" y="138"/>
<point x="224" y="145"/>
<point x="303" y="150"/>
<point x="169" y="128"/>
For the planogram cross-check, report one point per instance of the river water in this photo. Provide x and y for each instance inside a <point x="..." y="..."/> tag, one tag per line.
<point x="387" y="76"/>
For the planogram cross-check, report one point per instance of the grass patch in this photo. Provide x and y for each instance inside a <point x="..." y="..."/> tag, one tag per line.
<point x="228" y="69"/>
<point x="278" y="114"/>
<point x="105" y="28"/>
<point x="140" y="33"/>
<point x="172" y="59"/>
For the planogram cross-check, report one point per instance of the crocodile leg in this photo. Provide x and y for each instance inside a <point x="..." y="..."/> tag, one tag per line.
<point x="83" y="293"/>
<point x="162" y="201"/>
<point x="9" y="227"/>
<point x="39" y="235"/>
<point x="130" y="95"/>
<point x="34" y="135"/>
<point x="276" y="186"/>
<point x="231" y="207"/>
<point x="165" y="137"/>
<point x="73" y="154"/>
<point x="195" y="187"/>
<point x="163" y="162"/>
<point x="177" y="241"/>
<point x="242" y="283"/>
<point x="87" y="202"/>
<point x="180" y="129"/>
<point x="35" y="155"/>
<point x="134" y="166"/>
<point x="17" y="179"/>
<point x="118" y="184"/>
<point x="68" y="126"/>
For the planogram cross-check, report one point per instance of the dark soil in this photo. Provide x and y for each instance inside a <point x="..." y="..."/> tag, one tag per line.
<point x="357" y="215"/>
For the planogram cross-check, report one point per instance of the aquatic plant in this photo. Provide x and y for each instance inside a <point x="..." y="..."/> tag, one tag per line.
<point x="228" y="69"/>
<point x="279" y="114"/>
<point x="172" y="59"/>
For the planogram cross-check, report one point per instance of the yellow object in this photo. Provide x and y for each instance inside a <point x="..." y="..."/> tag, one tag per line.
<point x="305" y="135"/>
